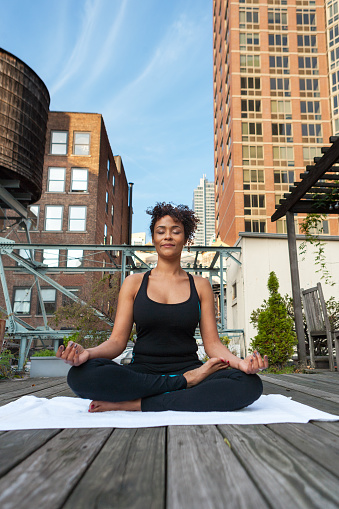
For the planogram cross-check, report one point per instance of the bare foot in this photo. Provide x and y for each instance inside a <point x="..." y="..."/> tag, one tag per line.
<point x="195" y="376"/>
<point x="106" y="406"/>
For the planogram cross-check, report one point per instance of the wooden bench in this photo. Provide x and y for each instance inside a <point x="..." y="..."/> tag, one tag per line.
<point x="318" y="324"/>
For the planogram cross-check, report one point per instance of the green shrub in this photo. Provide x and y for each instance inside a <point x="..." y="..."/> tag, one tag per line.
<point x="276" y="337"/>
<point x="5" y="364"/>
<point x="44" y="353"/>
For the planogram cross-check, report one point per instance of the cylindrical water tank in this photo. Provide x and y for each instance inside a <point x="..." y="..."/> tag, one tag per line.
<point x="24" y="106"/>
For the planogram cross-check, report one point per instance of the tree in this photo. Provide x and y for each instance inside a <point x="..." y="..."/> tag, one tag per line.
<point x="89" y="329"/>
<point x="276" y="337"/>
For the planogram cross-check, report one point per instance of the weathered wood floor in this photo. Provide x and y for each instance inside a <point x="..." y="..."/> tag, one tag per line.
<point x="178" y="467"/>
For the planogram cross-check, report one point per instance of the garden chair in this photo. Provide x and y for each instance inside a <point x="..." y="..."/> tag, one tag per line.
<point x="318" y="324"/>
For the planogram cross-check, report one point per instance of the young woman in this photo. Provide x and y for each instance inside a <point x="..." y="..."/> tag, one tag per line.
<point x="166" y="304"/>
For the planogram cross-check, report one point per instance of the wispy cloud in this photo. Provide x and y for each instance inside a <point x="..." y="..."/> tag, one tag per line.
<point x="79" y="54"/>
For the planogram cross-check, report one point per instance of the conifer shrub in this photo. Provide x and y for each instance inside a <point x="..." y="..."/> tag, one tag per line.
<point x="276" y="337"/>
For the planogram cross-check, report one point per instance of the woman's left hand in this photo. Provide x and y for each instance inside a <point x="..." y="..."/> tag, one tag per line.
<point x="253" y="363"/>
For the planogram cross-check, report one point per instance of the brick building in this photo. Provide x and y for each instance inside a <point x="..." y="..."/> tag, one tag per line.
<point x="84" y="201"/>
<point x="274" y="64"/>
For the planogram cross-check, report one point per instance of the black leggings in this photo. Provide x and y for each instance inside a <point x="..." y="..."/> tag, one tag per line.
<point x="105" y="380"/>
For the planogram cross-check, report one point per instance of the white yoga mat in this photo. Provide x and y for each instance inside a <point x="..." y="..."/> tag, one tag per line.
<point x="30" y="412"/>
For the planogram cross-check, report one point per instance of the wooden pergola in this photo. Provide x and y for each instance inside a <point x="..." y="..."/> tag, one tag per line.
<point x="318" y="193"/>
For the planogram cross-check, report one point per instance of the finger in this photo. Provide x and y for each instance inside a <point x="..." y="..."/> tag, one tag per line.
<point x="59" y="351"/>
<point x="260" y="361"/>
<point x="76" y="357"/>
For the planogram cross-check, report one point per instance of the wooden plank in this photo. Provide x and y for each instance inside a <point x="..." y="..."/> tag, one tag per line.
<point x="47" y="476"/>
<point x="7" y="386"/>
<point x="289" y="478"/>
<point x="321" y="376"/>
<point x="203" y="472"/>
<point x="129" y="472"/>
<point x="320" y="445"/>
<point x="275" y="379"/>
<point x="15" y="446"/>
<point x="326" y="386"/>
<point x="39" y="393"/>
<point x="30" y="389"/>
<point x="331" y="427"/>
<point x="306" y="399"/>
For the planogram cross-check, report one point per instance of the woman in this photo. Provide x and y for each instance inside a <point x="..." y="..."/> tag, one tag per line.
<point x="166" y="304"/>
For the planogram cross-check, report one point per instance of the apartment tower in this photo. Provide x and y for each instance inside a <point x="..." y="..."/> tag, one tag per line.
<point x="275" y="62"/>
<point x="204" y="207"/>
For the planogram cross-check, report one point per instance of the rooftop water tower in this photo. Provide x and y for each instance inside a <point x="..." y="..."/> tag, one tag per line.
<point x="24" y="106"/>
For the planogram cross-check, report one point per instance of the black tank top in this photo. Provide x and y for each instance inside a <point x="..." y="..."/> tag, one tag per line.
<point x="165" y="332"/>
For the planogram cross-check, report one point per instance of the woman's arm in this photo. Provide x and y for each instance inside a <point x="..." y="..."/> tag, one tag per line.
<point x="75" y="354"/>
<point x="209" y="333"/>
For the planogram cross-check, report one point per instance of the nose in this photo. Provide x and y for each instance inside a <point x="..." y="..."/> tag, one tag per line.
<point x="168" y="234"/>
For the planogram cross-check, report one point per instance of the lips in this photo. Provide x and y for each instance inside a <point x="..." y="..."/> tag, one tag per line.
<point x="167" y="245"/>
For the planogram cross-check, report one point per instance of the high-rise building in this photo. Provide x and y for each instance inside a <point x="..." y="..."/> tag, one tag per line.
<point x="274" y="65"/>
<point x="204" y="207"/>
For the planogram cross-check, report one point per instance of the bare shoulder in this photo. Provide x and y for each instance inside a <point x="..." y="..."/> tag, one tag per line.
<point x="202" y="285"/>
<point x="132" y="284"/>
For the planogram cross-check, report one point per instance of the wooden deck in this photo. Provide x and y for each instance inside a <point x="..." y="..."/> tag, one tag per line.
<point x="176" y="467"/>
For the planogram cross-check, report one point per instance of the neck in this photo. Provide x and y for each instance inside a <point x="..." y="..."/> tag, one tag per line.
<point x="168" y="267"/>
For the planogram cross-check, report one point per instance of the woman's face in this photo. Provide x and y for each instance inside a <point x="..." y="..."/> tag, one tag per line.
<point x="169" y="236"/>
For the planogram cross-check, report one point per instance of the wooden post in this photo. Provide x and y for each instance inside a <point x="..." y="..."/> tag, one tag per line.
<point x="298" y="316"/>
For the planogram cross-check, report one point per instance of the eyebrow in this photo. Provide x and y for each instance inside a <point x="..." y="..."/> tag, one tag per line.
<point x="163" y="226"/>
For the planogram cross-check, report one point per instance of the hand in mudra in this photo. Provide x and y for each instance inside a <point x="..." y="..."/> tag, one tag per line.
<point x="253" y="363"/>
<point x="74" y="354"/>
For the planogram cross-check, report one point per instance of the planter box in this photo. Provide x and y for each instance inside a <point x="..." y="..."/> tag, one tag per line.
<point x="48" y="366"/>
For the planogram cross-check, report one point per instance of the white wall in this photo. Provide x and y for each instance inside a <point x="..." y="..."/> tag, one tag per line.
<point x="259" y="256"/>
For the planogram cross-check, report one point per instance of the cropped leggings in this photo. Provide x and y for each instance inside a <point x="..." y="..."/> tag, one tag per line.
<point x="105" y="380"/>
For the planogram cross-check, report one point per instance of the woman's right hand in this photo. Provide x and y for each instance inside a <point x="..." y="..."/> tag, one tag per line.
<point x="74" y="354"/>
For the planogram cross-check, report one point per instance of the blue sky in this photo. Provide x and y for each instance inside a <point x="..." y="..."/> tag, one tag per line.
<point x="145" y="65"/>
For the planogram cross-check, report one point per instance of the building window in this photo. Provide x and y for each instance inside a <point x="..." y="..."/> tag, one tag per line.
<point x="282" y="132"/>
<point x="334" y="56"/>
<point x="283" y="156"/>
<point x="309" y="153"/>
<point x="53" y="218"/>
<point x="234" y="291"/>
<point x="50" y="257"/>
<point x="59" y="140"/>
<point x="106" y="207"/>
<point x="282" y="226"/>
<point x="108" y="167"/>
<point x="332" y="11"/>
<point x="250" y="86"/>
<point x="252" y="154"/>
<point x="277" y="17"/>
<point x="249" y="17"/>
<point x="79" y="181"/>
<point x="75" y="257"/>
<point x="281" y="109"/>
<point x="67" y="301"/>
<point x="334" y="35"/>
<point x="313" y="133"/>
<point x="22" y="301"/>
<point x="308" y="43"/>
<point x="56" y="180"/>
<point x="250" y="108"/>
<point x="25" y="254"/>
<point x="249" y="63"/>
<point x="308" y="65"/>
<point x="81" y="144"/>
<point x="306" y="17"/>
<point x="251" y="131"/>
<point x="310" y="110"/>
<point x="49" y="299"/>
<point x="254" y="180"/>
<point x="280" y="86"/>
<point x="112" y="214"/>
<point x="279" y="64"/>
<point x="255" y="225"/>
<point x="309" y="87"/>
<point x="34" y="216"/>
<point x="279" y="41"/>
<point x="249" y="41"/>
<point x="113" y="183"/>
<point x="105" y="234"/>
<point x="77" y="218"/>
<point x="254" y="204"/>
<point x="283" y="179"/>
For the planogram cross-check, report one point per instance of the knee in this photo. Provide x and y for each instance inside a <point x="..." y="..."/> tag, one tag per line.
<point x="77" y="375"/>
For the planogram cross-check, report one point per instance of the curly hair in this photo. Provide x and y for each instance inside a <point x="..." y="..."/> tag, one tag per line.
<point x="180" y="213"/>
